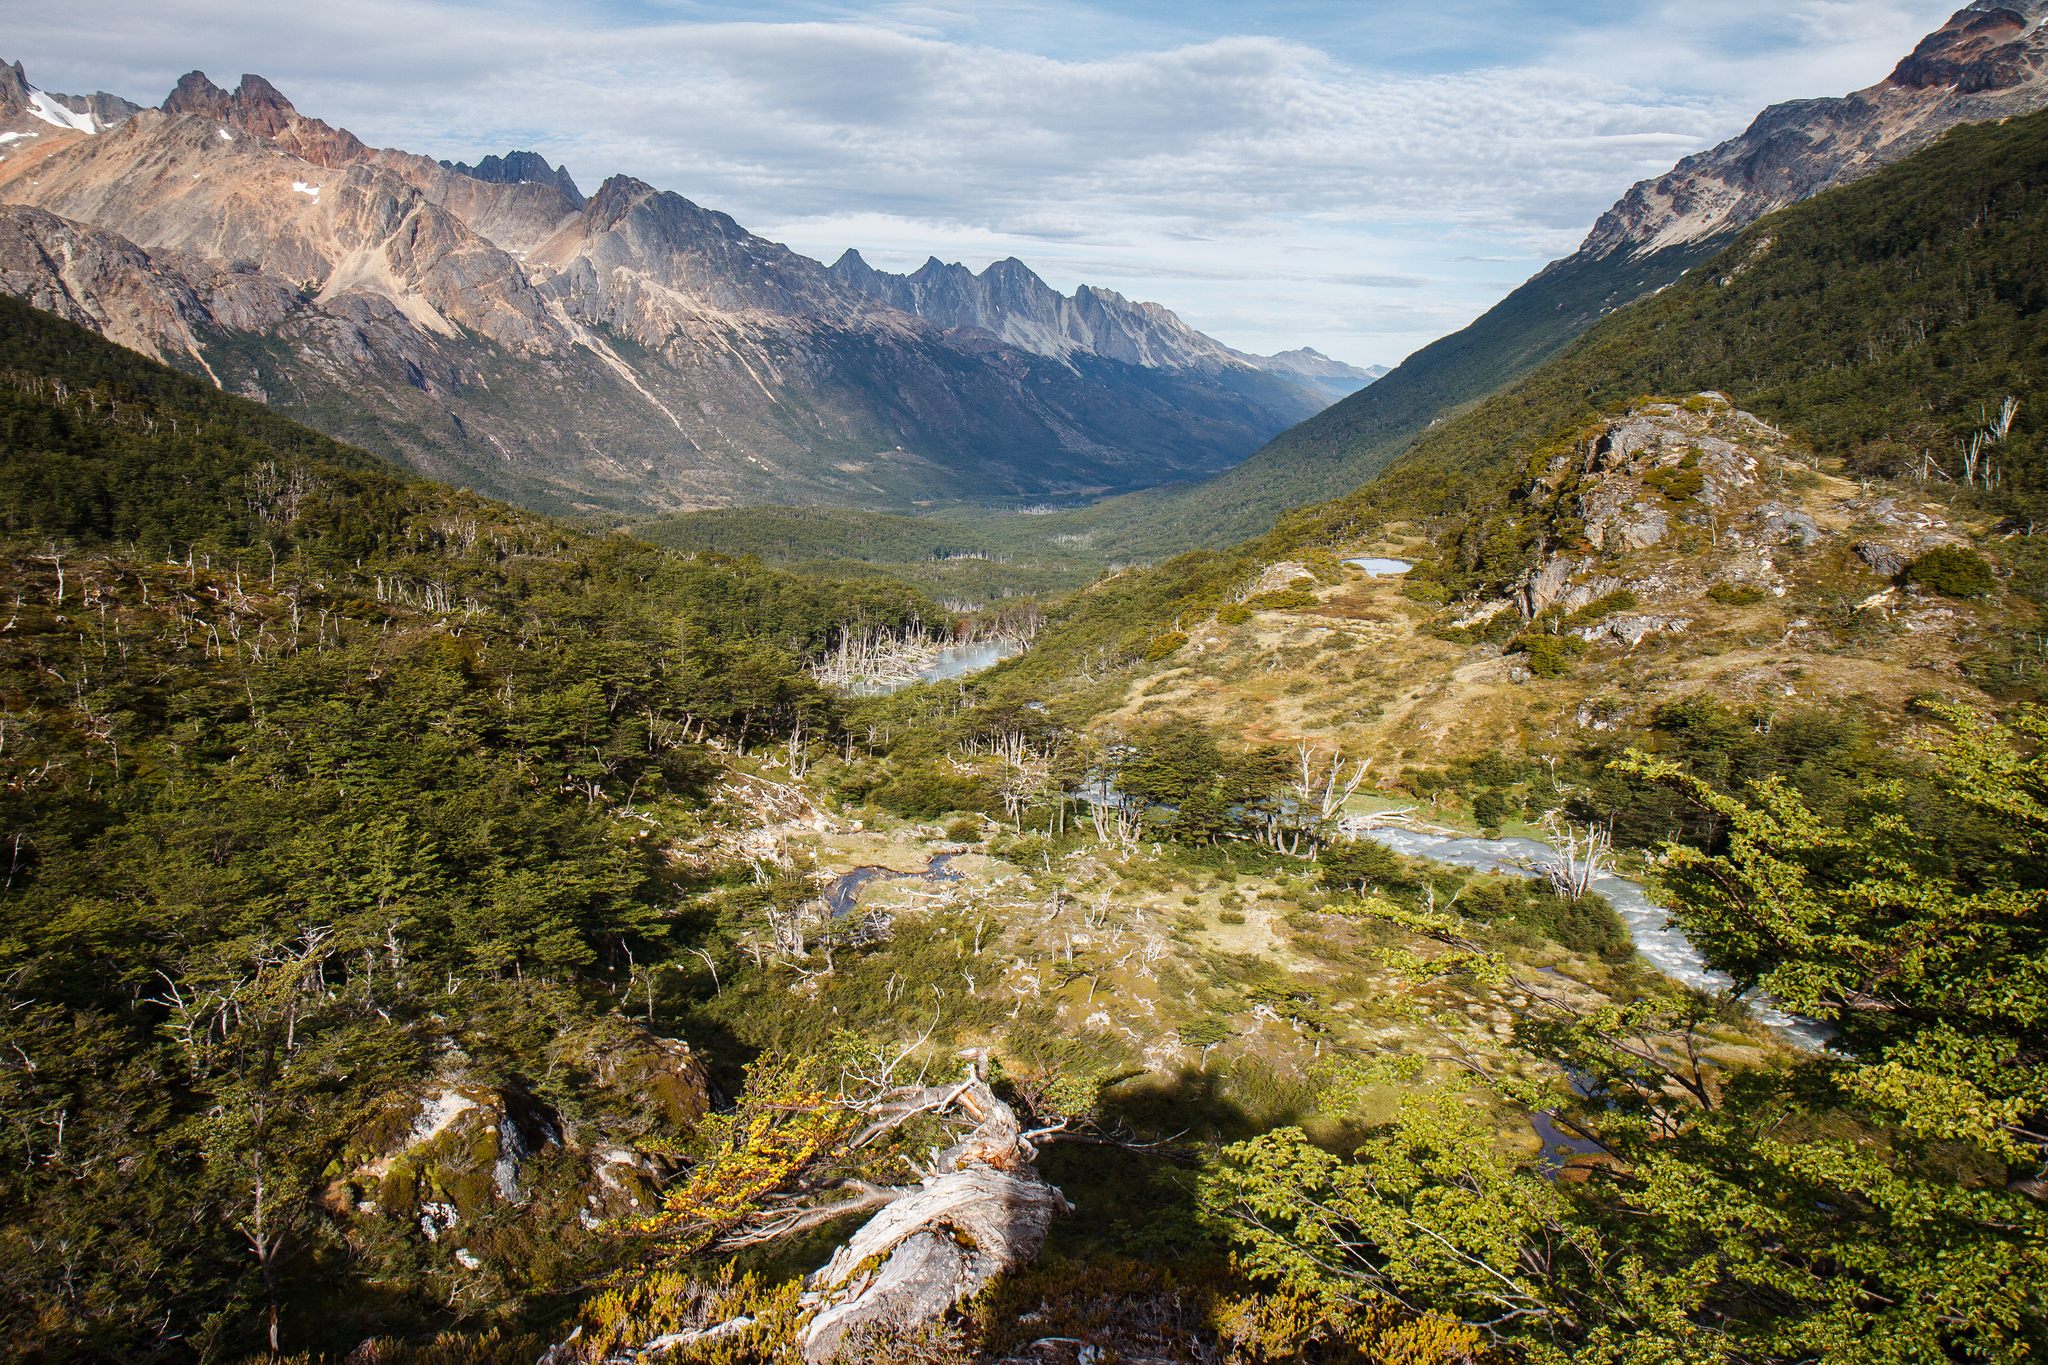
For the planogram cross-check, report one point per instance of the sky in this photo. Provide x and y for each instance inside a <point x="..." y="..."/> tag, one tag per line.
<point x="1361" y="176"/>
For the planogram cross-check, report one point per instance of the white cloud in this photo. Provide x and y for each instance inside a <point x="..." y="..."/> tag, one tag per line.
<point x="1265" y="186"/>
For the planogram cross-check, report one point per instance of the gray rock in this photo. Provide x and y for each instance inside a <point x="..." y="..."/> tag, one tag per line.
<point x="1630" y="631"/>
<point x="1886" y="561"/>
<point x="1778" y="524"/>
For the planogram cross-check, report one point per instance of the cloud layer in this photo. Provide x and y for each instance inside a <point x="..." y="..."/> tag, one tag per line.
<point x="1356" y="177"/>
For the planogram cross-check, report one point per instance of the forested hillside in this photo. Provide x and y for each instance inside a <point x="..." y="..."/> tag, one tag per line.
<point x="322" y="789"/>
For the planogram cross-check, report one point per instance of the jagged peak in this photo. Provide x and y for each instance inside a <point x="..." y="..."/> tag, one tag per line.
<point x="258" y="92"/>
<point x="14" y="87"/>
<point x="520" y="168"/>
<point x="260" y="109"/>
<point x="617" y="197"/>
<point x="196" y="94"/>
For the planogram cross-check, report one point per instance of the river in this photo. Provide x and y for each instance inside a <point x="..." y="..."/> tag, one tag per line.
<point x="1656" y="937"/>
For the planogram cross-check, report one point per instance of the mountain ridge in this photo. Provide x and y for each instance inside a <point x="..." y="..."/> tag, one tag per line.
<point x="441" y="312"/>
<point x="1009" y="300"/>
<point x="1989" y="61"/>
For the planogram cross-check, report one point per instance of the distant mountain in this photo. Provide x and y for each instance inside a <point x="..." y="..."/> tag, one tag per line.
<point x="1009" y="301"/>
<point x="631" y="351"/>
<point x="81" y="113"/>
<point x="521" y="168"/>
<point x="1317" y="370"/>
<point x="1988" y="62"/>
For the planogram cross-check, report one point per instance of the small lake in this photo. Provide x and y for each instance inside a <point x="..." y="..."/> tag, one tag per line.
<point x="1381" y="568"/>
<point x="954" y="661"/>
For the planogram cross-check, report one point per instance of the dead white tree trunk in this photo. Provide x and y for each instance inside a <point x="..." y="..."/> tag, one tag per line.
<point x="1583" y="855"/>
<point x="981" y="1211"/>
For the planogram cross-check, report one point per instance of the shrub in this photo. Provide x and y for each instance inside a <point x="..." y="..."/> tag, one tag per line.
<point x="1231" y="917"/>
<point x="1287" y="599"/>
<point x="1360" y="864"/>
<point x="1236" y="614"/>
<point x="1550" y="656"/>
<point x="1164" y="645"/>
<point x="1680" y="484"/>
<point x="1491" y="808"/>
<point x="1953" y="571"/>
<point x="1619" y="600"/>
<point x="1737" y="594"/>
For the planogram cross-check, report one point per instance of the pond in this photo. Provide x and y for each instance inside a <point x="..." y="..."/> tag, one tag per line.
<point x="1381" y="568"/>
<point x="842" y="898"/>
<point x="954" y="661"/>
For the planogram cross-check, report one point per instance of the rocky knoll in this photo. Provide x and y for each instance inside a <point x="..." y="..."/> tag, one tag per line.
<point x="488" y="325"/>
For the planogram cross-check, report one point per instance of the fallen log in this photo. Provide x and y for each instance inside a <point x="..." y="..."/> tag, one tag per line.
<point x="981" y="1211"/>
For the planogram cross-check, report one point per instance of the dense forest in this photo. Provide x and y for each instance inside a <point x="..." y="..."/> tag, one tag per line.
<point x="320" y="783"/>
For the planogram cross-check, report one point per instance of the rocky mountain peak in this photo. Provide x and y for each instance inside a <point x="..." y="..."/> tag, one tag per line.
<point x="618" y="196"/>
<point x="260" y="109"/>
<point x="195" y="94"/>
<point x="521" y="168"/>
<point x="1989" y="61"/>
<point x="13" y="88"/>
<point x="1983" y="48"/>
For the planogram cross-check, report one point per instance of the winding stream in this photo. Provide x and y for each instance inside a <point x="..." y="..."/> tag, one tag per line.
<point x="843" y="896"/>
<point x="1659" y="940"/>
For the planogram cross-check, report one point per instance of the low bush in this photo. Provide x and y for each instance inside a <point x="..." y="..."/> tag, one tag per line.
<point x="1953" y="571"/>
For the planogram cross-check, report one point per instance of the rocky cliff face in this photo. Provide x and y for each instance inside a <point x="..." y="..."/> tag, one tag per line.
<point x="1989" y="61"/>
<point x="634" y="351"/>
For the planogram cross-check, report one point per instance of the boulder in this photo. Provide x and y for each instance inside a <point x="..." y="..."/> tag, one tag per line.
<point x="1887" y="561"/>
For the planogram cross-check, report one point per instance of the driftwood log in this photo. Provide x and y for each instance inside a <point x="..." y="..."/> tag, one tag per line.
<point x="980" y="1211"/>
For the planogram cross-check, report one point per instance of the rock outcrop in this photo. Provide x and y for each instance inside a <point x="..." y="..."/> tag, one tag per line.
<point x="1678" y="511"/>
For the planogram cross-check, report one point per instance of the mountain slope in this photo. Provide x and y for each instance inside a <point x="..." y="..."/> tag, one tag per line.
<point x="1879" y="327"/>
<point x="632" y="351"/>
<point x="1990" y="61"/>
<point x="1886" y="324"/>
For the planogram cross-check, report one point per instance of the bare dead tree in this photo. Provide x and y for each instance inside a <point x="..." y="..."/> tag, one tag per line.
<point x="1583" y="855"/>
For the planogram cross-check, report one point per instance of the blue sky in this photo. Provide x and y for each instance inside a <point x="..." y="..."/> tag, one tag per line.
<point x="1361" y="176"/>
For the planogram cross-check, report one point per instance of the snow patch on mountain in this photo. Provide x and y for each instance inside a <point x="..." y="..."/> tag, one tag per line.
<point x="49" y="111"/>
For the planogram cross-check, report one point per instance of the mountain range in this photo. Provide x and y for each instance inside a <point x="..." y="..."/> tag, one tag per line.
<point x="492" y="326"/>
<point x="1988" y="62"/>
